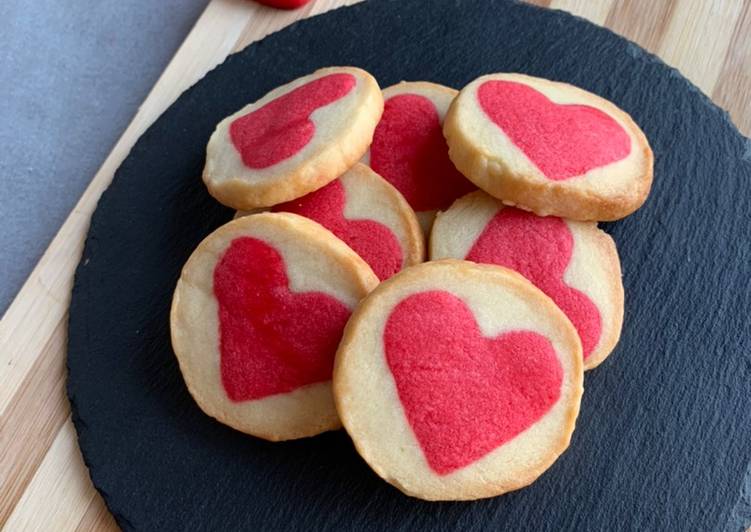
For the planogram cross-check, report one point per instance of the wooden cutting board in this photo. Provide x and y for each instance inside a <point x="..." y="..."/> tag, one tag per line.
<point x="43" y="483"/>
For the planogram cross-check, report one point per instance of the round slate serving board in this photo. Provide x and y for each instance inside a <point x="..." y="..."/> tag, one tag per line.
<point x="663" y="437"/>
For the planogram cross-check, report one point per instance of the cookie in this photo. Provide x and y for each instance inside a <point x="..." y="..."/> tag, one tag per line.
<point x="294" y="140"/>
<point x="256" y="318"/>
<point x="549" y="147"/>
<point x="369" y="215"/>
<point x="458" y="381"/>
<point x="574" y="263"/>
<point x="409" y="150"/>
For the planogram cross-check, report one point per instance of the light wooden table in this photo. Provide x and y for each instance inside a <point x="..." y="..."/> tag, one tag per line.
<point x="43" y="482"/>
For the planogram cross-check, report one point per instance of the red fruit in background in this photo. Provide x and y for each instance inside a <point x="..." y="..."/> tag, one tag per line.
<point x="284" y="4"/>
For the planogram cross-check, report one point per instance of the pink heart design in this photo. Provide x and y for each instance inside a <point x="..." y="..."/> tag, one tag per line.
<point x="271" y="340"/>
<point x="464" y="394"/>
<point x="409" y="151"/>
<point x="540" y="248"/>
<point x="373" y="241"/>
<point x="563" y="141"/>
<point x="282" y="127"/>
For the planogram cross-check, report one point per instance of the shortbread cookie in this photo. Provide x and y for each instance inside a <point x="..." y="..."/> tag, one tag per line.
<point x="409" y="150"/>
<point x="574" y="263"/>
<point x="458" y="380"/>
<point x="256" y="319"/>
<point x="370" y="216"/>
<point x="549" y="147"/>
<point x="294" y="140"/>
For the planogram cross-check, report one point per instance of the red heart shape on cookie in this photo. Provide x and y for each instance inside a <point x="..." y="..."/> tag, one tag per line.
<point x="465" y="394"/>
<point x="272" y="340"/>
<point x="409" y="151"/>
<point x="282" y="127"/>
<point x="372" y="240"/>
<point x="540" y="248"/>
<point x="284" y="4"/>
<point x="562" y="140"/>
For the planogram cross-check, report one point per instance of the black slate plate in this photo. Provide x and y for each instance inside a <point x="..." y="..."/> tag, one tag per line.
<point x="663" y="437"/>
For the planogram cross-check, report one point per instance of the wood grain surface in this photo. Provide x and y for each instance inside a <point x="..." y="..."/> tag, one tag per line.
<point x="44" y="484"/>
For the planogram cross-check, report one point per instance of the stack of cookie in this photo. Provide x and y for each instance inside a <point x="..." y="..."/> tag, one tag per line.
<point x="456" y="378"/>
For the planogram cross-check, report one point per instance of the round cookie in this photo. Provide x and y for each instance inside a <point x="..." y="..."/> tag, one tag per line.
<point x="370" y="216"/>
<point x="458" y="381"/>
<point x="409" y="150"/>
<point x="549" y="147"/>
<point x="574" y="263"/>
<point x="294" y="140"/>
<point x="256" y="318"/>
